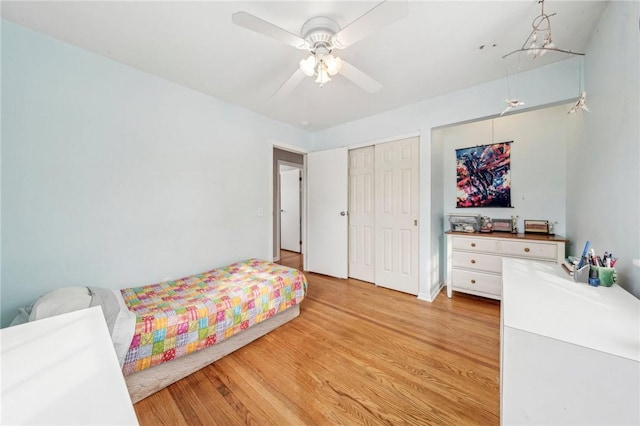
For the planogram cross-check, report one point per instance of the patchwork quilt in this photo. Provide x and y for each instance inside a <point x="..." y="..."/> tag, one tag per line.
<point x="176" y="318"/>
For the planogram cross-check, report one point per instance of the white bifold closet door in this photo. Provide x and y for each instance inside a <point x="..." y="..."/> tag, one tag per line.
<point x="396" y="215"/>
<point x="383" y="214"/>
<point x="362" y="214"/>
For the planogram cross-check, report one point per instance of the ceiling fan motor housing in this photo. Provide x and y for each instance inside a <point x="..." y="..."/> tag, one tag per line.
<point x="318" y="32"/>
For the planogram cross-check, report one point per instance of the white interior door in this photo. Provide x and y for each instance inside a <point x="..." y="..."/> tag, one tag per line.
<point x="361" y="214"/>
<point x="290" y="210"/>
<point x="396" y="182"/>
<point x="327" y="187"/>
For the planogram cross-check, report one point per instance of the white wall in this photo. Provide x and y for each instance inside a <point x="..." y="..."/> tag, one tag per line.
<point x="552" y="84"/>
<point x="113" y="177"/>
<point x="603" y="168"/>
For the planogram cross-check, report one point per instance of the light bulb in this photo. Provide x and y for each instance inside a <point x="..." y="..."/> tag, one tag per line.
<point x="323" y="75"/>
<point x="308" y="66"/>
<point x="333" y="64"/>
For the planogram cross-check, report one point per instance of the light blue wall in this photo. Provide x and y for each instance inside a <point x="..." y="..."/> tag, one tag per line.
<point x="603" y="168"/>
<point x="113" y="177"/>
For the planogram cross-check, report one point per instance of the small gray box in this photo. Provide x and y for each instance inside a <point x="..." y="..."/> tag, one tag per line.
<point x="464" y="222"/>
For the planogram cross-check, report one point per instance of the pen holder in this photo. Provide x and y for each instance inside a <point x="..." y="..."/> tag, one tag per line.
<point x="607" y="276"/>
<point x="581" y="275"/>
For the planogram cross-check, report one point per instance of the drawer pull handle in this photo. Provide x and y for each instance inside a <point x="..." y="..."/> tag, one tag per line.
<point x="473" y="281"/>
<point x="473" y="244"/>
<point x="473" y="261"/>
<point x="526" y="250"/>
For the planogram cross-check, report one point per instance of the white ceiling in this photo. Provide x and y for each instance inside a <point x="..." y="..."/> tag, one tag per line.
<point x="436" y="49"/>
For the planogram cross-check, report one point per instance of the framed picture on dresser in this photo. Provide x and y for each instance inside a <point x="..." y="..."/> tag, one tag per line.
<point x="502" y="225"/>
<point x="536" y="227"/>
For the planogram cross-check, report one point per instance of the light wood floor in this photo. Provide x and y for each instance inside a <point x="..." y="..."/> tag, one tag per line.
<point x="357" y="354"/>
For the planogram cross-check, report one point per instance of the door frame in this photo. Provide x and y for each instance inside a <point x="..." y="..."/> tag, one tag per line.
<point x="272" y="225"/>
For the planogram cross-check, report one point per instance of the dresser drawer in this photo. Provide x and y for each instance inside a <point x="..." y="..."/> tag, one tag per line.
<point x="530" y="250"/>
<point x="477" y="261"/>
<point x="477" y="281"/>
<point x="484" y="245"/>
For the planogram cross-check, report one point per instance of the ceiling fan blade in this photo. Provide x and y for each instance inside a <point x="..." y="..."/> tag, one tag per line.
<point x="380" y="16"/>
<point x="261" y="26"/>
<point x="289" y="85"/>
<point x="356" y="76"/>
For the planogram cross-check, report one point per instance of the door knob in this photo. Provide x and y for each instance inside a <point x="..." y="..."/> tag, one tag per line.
<point x="343" y="213"/>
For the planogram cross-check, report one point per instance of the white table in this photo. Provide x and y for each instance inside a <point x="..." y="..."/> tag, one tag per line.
<point x="570" y="353"/>
<point x="63" y="370"/>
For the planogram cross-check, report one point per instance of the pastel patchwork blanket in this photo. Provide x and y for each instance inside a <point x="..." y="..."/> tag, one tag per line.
<point x="175" y="318"/>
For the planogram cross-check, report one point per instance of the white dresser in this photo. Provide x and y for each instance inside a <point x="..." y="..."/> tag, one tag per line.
<point x="474" y="261"/>
<point x="569" y="352"/>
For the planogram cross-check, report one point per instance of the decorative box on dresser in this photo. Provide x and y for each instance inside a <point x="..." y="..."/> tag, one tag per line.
<point x="474" y="260"/>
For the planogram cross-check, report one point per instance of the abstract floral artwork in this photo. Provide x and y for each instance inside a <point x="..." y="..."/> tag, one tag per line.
<point x="484" y="176"/>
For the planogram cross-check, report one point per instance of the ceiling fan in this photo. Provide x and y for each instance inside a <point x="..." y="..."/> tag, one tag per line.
<point x="321" y="36"/>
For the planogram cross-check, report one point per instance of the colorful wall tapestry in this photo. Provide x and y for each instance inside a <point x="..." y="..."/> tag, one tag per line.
<point x="484" y="176"/>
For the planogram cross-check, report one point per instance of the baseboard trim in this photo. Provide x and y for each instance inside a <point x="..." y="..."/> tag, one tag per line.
<point x="430" y="297"/>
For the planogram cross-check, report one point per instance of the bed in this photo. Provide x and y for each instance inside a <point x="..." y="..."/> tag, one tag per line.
<point x="165" y="331"/>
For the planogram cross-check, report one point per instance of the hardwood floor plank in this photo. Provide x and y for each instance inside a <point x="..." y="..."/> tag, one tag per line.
<point x="195" y="398"/>
<point x="389" y="364"/>
<point x="357" y="354"/>
<point x="166" y="411"/>
<point x="247" y="404"/>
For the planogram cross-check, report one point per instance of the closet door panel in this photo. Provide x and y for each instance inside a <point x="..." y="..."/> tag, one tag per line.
<point x="361" y="214"/>
<point x="396" y="219"/>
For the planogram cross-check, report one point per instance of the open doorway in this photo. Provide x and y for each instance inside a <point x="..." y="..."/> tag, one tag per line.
<point x="290" y="207"/>
<point x="288" y="213"/>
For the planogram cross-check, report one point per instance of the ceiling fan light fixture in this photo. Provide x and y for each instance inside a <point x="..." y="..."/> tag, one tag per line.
<point x="323" y="74"/>
<point x="308" y="65"/>
<point x="333" y="63"/>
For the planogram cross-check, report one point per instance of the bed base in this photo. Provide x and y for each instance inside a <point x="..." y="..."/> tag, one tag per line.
<point x="149" y="381"/>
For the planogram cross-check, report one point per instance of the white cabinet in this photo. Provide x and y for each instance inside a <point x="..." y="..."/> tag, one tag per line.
<point x="474" y="261"/>
<point x="63" y="370"/>
<point x="569" y="352"/>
